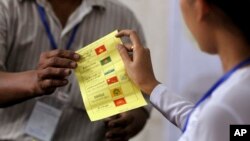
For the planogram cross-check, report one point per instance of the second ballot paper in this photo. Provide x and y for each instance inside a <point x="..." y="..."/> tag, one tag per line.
<point x="105" y="87"/>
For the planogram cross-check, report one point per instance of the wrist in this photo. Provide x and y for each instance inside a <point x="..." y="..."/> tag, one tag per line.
<point x="148" y="88"/>
<point x="33" y="88"/>
<point x="16" y="87"/>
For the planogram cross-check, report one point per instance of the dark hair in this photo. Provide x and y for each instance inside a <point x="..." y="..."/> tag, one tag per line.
<point x="237" y="11"/>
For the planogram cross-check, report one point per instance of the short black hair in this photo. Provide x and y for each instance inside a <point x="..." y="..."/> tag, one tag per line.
<point x="237" y="11"/>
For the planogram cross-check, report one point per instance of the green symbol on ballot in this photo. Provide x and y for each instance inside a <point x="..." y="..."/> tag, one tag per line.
<point x="105" y="61"/>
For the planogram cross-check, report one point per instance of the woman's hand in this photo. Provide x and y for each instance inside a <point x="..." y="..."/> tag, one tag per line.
<point x="139" y="67"/>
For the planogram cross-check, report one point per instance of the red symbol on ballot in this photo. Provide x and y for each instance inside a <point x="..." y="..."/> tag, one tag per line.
<point x="120" y="102"/>
<point x="100" y="50"/>
<point x="112" y="80"/>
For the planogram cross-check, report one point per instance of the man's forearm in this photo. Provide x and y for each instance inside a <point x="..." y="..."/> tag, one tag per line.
<point x="16" y="87"/>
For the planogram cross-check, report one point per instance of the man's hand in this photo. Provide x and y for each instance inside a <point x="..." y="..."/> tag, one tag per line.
<point x="53" y="68"/>
<point x="126" y="125"/>
<point x="52" y="71"/>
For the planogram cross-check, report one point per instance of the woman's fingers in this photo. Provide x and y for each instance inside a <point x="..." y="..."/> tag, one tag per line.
<point x="124" y="54"/>
<point x="133" y="37"/>
<point x="128" y="46"/>
<point x="139" y="69"/>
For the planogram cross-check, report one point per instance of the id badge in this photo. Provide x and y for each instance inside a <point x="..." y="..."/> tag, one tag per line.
<point x="43" y="121"/>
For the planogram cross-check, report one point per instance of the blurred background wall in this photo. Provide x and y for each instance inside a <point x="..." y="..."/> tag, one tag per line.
<point x="176" y="60"/>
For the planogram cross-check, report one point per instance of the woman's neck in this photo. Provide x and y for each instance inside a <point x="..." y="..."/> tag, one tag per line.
<point x="232" y="49"/>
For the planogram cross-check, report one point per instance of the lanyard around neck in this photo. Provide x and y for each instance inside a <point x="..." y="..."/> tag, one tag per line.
<point x="215" y="86"/>
<point x="51" y="38"/>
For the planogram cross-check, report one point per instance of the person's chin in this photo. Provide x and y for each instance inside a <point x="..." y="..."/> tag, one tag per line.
<point x="208" y="50"/>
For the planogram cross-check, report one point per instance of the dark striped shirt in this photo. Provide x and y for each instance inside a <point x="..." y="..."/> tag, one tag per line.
<point x="23" y="38"/>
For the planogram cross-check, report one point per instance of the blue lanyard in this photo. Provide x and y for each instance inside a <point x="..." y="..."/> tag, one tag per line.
<point x="214" y="87"/>
<point x="51" y="38"/>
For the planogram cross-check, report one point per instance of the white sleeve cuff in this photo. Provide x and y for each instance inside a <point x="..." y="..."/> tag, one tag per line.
<point x="157" y="92"/>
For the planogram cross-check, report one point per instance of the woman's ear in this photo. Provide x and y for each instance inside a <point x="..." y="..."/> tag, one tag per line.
<point x="202" y="9"/>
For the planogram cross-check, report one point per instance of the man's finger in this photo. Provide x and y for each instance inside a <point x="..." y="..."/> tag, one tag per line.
<point x="112" y="118"/>
<point x="120" y="122"/>
<point x="52" y="83"/>
<point x="54" y="73"/>
<point x="58" y="62"/>
<point x="116" y="133"/>
<point x="63" y="54"/>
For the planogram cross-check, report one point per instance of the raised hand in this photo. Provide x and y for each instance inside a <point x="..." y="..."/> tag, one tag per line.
<point x="139" y="67"/>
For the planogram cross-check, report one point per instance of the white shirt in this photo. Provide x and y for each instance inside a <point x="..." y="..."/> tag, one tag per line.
<point x="229" y="104"/>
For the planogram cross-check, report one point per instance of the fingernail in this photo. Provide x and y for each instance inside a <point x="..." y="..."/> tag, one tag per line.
<point x="73" y="64"/>
<point x="67" y="71"/>
<point x="76" y="56"/>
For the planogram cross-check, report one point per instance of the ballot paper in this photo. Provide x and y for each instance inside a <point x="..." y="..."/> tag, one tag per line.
<point x="105" y="87"/>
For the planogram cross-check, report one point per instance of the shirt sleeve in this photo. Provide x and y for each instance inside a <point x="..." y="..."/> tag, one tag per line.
<point x="3" y="38"/>
<point x="172" y="106"/>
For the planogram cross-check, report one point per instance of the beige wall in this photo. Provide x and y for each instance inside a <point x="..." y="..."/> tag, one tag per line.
<point x="153" y="16"/>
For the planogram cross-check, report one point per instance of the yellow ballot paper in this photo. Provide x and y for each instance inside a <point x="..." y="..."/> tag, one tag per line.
<point x="105" y="87"/>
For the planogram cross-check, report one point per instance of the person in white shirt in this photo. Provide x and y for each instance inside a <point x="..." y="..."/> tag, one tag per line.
<point x="220" y="27"/>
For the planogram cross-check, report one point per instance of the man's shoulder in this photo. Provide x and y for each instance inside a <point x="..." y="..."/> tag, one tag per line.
<point x="8" y="3"/>
<point x="11" y="4"/>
